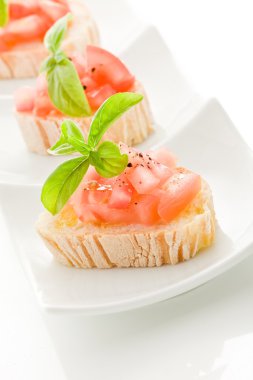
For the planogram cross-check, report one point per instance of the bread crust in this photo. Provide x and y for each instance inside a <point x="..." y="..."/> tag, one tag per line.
<point x="80" y="245"/>
<point x="132" y="128"/>
<point x="24" y="60"/>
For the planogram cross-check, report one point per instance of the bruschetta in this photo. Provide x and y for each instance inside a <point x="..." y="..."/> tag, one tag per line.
<point x="21" y="40"/>
<point x="102" y="74"/>
<point x="130" y="209"/>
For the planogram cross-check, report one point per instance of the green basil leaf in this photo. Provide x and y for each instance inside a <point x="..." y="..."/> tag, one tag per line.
<point x="48" y="64"/>
<point x="65" y="90"/>
<point x="71" y="140"/>
<point x="62" y="183"/>
<point x="56" y="33"/>
<point x="108" y="160"/>
<point x="61" y="148"/>
<point x="70" y="129"/>
<point x="109" y="112"/>
<point x="4" y="12"/>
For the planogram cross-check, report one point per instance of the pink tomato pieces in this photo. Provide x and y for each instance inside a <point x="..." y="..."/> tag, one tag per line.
<point x="142" y="179"/>
<point x="121" y="195"/>
<point x="53" y="9"/>
<point x="26" y="29"/>
<point x="79" y="62"/>
<point x="98" y="96"/>
<point x="24" y="99"/>
<point x="140" y="195"/>
<point x="18" y="9"/>
<point x="163" y="156"/>
<point x="105" y="68"/>
<point x="30" y="20"/>
<point x="181" y="188"/>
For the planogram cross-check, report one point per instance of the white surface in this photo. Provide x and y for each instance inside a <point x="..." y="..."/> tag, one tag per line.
<point x="205" y="334"/>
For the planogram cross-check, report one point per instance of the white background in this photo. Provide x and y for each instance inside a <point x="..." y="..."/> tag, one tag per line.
<point x="205" y="334"/>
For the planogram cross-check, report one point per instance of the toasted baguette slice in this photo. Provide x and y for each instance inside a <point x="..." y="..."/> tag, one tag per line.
<point x="24" y="60"/>
<point x="132" y="128"/>
<point x="74" y="243"/>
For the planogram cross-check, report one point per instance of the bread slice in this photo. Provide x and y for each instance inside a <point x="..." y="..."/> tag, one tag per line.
<point x="74" y="243"/>
<point x="24" y="60"/>
<point x="132" y="128"/>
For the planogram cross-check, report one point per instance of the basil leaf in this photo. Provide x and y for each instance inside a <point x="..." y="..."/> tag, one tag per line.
<point x="65" y="90"/>
<point x="56" y="33"/>
<point x="71" y="140"/>
<point x="62" y="183"/>
<point x="71" y="130"/>
<point x="109" y="112"/>
<point x="108" y="160"/>
<point x="4" y="12"/>
<point x="48" y="64"/>
<point x="61" y="148"/>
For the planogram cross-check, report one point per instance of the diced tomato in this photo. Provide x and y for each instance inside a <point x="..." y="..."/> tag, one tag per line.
<point x="105" y="68"/>
<point x="80" y="63"/>
<point x="88" y="83"/>
<point x="98" y="193"/>
<point x="163" y="156"/>
<point x="97" y="97"/>
<point x="24" y="99"/>
<point x="143" y="180"/>
<point x="3" y="45"/>
<point x="41" y="85"/>
<point x="182" y="187"/>
<point x="137" y="196"/>
<point x="43" y="106"/>
<point x="121" y="196"/>
<point x="53" y="9"/>
<point x="145" y="209"/>
<point x="162" y="172"/>
<point x="26" y="29"/>
<point x="18" y="9"/>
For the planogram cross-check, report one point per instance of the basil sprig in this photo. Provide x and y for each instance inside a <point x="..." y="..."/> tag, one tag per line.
<point x="106" y="157"/>
<point x="4" y="13"/>
<point x="64" y="87"/>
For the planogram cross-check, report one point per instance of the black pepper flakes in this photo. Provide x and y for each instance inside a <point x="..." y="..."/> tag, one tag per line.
<point x="129" y="164"/>
<point x="141" y="155"/>
<point x="84" y="87"/>
<point x="93" y="69"/>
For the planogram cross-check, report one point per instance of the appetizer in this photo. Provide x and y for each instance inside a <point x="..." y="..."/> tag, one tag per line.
<point x="76" y="85"/>
<point x="23" y="25"/>
<point x="115" y="206"/>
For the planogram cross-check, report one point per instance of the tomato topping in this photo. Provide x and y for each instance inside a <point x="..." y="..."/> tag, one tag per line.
<point x="139" y="195"/>
<point x="121" y="196"/>
<point x="53" y="9"/>
<point x="18" y="9"/>
<point x="143" y="180"/>
<point x="182" y="187"/>
<point x="105" y="68"/>
<point x="163" y="156"/>
<point x="24" y="98"/>
<point x="26" y="29"/>
<point x="98" y="96"/>
<point x="30" y="20"/>
<point x="100" y="72"/>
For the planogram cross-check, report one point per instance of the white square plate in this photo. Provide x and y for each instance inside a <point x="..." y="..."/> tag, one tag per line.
<point x="198" y="132"/>
<point x="209" y="144"/>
